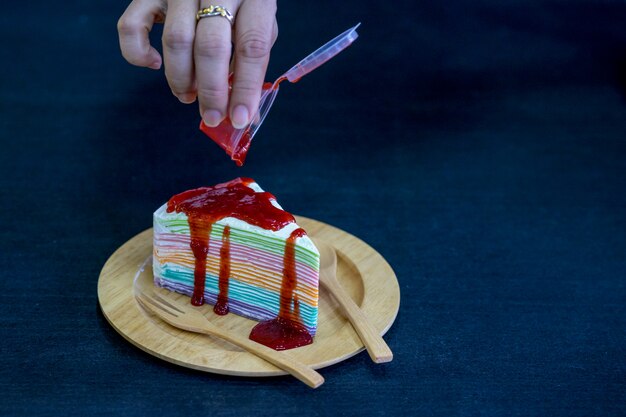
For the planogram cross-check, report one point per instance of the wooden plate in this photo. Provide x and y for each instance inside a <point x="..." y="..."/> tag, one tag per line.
<point x="362" y="271"/>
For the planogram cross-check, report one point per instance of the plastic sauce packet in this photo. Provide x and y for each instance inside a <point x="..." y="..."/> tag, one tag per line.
<point x="236" y="142"/>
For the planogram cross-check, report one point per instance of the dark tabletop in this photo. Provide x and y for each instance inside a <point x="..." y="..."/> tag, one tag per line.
<point x="480" y="147"/>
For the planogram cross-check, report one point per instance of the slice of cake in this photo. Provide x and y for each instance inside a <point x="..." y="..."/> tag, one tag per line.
<point x="233" y="246"/>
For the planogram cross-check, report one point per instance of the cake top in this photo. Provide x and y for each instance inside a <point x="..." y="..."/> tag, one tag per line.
<point x="231" y="199"/>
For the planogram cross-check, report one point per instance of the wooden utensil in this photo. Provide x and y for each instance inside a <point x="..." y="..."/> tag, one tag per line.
<point x="373" y="341"/>
<point x="186" y="318"/>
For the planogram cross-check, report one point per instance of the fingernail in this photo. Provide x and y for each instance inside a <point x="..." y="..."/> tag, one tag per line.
<point x="155" y="65"/>
<point x="240" y="116"/>
<point x="212" y="118"/>
<point x="186" y="98"/>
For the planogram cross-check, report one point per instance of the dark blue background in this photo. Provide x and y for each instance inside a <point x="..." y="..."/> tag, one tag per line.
<point x="479" y="146"/>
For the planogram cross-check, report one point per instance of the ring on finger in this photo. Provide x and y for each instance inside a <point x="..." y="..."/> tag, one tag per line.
<point x="213" y="11"/>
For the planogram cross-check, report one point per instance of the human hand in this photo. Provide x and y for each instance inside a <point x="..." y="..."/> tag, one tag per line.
<point x="197" y="55"/>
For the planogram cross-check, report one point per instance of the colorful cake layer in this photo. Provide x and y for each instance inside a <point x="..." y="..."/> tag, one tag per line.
<point x="247" y="266"/>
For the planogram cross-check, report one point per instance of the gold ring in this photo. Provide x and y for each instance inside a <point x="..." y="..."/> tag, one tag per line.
<point x="212" y="11"/>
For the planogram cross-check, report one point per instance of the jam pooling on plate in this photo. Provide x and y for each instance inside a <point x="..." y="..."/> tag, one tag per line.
<point x="207" y="205"/>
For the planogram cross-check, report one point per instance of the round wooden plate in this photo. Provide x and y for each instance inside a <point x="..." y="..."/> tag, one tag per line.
<point x="362" y="271"/>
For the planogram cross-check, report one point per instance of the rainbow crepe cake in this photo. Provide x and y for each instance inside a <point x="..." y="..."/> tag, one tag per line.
<point x="233" y="246"/>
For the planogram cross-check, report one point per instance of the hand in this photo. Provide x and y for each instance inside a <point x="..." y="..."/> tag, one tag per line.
<point x="198" y="54"/>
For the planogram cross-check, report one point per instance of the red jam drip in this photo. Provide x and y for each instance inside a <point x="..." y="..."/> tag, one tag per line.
<point x="200" y="231"/>
<point x="221" y="307"/>
<point x="285" y="331"/>
<point x="296" y="306"/>
<point x="289" y="275"/>
<point x="222" y="134"/>
<point x="207" y="205"/>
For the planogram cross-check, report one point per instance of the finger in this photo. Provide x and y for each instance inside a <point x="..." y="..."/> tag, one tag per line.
<point x="231" y="67"/>
<point x="133" y="28"/>
<point x="178" y="38"/>
<point x="212" y="50"/>
<point x="255" y="32"/>
<point x="274" y="31"/>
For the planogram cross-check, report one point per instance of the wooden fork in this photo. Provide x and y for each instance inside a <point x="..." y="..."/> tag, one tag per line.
<point x="374" y="343"/>
<point x="187" y="318"/>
